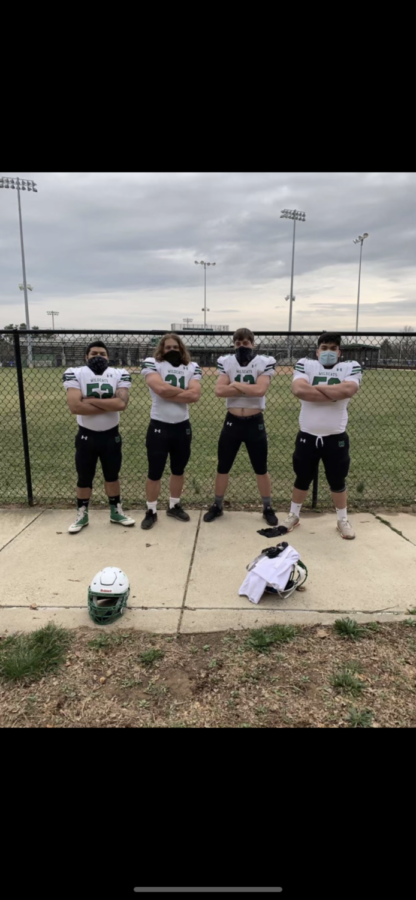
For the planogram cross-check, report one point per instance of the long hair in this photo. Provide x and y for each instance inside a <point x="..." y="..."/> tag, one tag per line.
<point x="185" y="356"/>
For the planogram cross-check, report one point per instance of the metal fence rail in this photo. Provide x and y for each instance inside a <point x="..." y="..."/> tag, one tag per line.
<point x="38" y="431"/>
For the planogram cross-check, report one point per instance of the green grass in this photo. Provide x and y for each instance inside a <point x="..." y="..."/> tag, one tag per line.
<point x="349" y="628"/>
<point x="346" y="681"/>
<point x="360" y="718"/>
<point x="381" y="430"/>
<point x="261" y="639"/>
<point x="150" y="656"/>
<point x="27" y="657"/>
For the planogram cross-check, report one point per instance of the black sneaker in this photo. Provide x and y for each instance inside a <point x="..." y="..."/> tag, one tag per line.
<point x="270" y="515"/>
<point x="178" y="513"/>
<point x="214" y="512"/>
<point x="149" y="520"/>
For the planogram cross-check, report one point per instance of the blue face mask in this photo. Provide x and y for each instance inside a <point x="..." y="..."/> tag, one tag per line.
<point x="328" y="357"/>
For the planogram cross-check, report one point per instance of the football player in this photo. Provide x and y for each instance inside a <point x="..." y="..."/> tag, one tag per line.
<point x="96" y="394"/>
<point x="324" y="386"/>
<point x="243" y="379"/>
<point x="174" y="383"/>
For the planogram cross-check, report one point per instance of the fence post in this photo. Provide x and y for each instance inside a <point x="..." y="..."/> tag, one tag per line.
<point x="18" y="358"/>
<point x="315" y="488"/>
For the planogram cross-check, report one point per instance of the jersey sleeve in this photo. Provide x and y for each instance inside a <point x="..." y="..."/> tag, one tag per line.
<point x="268" y="366"/>
<point x="124" y="378"/>
<point x="197" y="371"/>
<point x="70" y="379"/>
<point x="355" y="374"/>
<point x="300" y="370"/>
<point x="149" y="367"/>
<point x="222" y="365"/>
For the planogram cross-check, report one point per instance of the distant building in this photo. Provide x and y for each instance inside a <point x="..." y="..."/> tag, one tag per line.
<point x="196" y="327"/>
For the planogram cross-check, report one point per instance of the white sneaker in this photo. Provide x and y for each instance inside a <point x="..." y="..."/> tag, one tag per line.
<point x="291" y="521"/>
<point x="81" y="520"/>
<point x="345" y="529"/>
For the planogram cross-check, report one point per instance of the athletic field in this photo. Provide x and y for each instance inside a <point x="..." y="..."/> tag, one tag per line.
<point x="382" y="429"/>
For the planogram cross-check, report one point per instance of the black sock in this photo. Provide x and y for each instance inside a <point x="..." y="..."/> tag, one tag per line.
<point x="82" y="503"/>
<point x="113" y="501"/>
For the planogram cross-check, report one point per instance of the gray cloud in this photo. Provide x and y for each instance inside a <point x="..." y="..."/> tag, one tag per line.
<point x="120" y="248"/>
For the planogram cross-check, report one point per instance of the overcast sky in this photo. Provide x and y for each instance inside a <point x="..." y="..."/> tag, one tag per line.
<point x="117" y="250"/>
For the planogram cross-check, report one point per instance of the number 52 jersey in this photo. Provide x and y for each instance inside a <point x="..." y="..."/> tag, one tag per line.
<point x="100" y="386"/>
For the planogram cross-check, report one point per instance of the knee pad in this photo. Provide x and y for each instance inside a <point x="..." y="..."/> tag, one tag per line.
<point x="84" y="483"/>
<point x="301" y="484"/>
<point x="337" y="489"/>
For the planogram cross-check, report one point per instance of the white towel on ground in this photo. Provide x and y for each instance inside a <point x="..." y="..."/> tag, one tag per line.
<point x="269" y="571"/>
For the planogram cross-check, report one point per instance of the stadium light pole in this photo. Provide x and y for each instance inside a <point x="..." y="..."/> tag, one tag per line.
<point x="360" y="240"/>
<point x="297" y="216"/>
<point x="205" y="264"/>
<point x="53" y="313"/>
<point x="22" y="184"/>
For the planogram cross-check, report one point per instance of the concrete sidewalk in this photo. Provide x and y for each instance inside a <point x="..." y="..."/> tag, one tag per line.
<point x="185" y="576"/>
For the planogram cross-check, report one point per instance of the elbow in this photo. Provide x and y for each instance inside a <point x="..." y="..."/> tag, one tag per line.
<point x="218" y="392"/>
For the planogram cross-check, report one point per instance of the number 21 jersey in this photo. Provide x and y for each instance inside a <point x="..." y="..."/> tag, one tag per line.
<point x="177" y="376"/>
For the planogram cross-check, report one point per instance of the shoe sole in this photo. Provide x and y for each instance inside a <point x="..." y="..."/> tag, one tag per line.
<point x="78" y="529"/>
<point x="179" y="519"/>
<point x="346" y="537"/>
<point x="292" y="528"/>
<point x="125" y="524"/>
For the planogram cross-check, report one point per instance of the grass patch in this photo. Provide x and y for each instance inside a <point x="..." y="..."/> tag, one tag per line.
<point x="27" y="657"/>
<point x="345" y="681"/>
<point x="412" y="612"/>
<point x="261" y="639"/>
<point x="349" y="628"/>
<point x="150" y="656"/>
<point x="360" y="718"/>
<point x="411" y="623"/>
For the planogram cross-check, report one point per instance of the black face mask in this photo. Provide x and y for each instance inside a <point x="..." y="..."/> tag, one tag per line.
<point x="98" y="364"/>
<point x="173" y="357"/>
<point x="244" y="355"/>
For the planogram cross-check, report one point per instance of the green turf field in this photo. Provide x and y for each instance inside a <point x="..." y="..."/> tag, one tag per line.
<point x="382" y="429"/>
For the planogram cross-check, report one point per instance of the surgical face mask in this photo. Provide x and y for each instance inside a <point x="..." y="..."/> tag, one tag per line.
<point x="98" y="364"/>
<point x="328" y="357"/>
<point x="173" y="357"/>
<point x="244" y="355"/>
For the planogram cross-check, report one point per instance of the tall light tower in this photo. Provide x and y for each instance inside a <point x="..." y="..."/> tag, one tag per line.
<point x="22" y="184"/>
<point x="204" y="308"/>
<point x="53" y="313"/>
<point x="360" y="240"/>
<point x="297" y="216"/>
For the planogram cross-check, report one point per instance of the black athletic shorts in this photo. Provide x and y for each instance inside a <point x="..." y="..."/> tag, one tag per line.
<point x="165" y="439"/>
<point x="248" y="430"/>
<point x="334" y="450"/>
<point x="91" y="446"/>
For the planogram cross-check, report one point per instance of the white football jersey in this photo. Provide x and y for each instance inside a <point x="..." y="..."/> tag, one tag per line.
<point x="99" y="386"/>
<point x="325" y="418"/>
<point x="260" y="365"/>
<point x="177" y="376"/>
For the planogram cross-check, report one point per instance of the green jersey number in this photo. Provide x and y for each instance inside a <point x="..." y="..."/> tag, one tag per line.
<point x="173" y="380"/>
<point x="249" y="379"/>
<point x="99" y="391"/>
<point x="323" y="378"/>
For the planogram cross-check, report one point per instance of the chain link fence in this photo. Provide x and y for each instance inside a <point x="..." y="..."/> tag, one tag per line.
<point x="38" y="430"/>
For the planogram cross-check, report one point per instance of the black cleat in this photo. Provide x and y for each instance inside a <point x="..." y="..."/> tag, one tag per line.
<point x="178" y="513"/>
<point x="270" y="515"/>
<point x="214" y="512"/>
<point x="149" y="520"/>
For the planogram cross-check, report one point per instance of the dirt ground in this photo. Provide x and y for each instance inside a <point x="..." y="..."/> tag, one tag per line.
<point x="219" y="680"/>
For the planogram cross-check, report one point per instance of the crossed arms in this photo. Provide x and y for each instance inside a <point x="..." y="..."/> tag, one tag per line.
<point x="79" y="406"/>
<point x="225" y="388"/>
<point x="321" y="393"/>
<point x="191" y="394"/>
